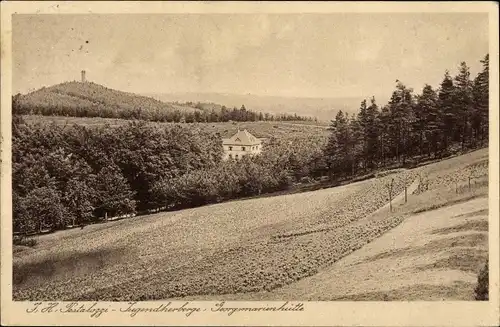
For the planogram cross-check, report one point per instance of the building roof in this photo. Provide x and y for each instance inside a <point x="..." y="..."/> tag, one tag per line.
<point x="242" y="137"/>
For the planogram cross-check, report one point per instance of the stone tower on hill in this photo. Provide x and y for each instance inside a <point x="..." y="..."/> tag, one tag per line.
<point x="84" y="79"/>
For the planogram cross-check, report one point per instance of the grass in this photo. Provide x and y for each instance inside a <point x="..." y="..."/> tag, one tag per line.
<point x="458" y="291"/>
<point x="166" y="242"/>
<point x="473" y="214"/>
<point x="465" y="259"/>
<point x="65" y="265"/>
<point x="449" y="174"/>
<point x="475" y="225"/>
<point x="440" y="201"/>
<point x="24" y="241"/>
<point x="471" y="240"/>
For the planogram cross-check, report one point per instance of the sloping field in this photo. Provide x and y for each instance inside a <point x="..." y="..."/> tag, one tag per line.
<point x="262" y="129"/>
<point x="435" y="255"/>
<point x="252" y="246"/>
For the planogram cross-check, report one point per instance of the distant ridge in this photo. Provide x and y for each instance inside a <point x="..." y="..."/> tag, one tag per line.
<point x="323" y="108"/>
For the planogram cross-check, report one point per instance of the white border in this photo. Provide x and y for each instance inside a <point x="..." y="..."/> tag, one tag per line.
<point x="316" y="313"/>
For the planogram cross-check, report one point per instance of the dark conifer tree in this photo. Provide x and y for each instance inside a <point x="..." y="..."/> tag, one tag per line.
<point x="480" y="94"/>
<point x="447" y="107"/>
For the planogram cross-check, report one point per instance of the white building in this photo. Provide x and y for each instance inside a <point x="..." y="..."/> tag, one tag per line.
<point x="241" y="144"/>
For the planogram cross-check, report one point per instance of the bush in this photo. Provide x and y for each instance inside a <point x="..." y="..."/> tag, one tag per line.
<point x="41" y="208"/>
<point x="482" y="284"/>
<point x="24" y="241"/>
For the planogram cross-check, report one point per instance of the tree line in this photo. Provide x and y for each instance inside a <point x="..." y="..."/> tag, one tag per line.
<point x="241" y="115"/>
<point x="75" y="105"/>
<point x="411" y="126"/>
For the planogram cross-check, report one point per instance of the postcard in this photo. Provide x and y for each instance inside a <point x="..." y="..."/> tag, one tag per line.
<point x="249" y="163"/>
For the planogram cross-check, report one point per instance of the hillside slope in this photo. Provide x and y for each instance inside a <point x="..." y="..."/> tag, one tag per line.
<point x="91" y="96"/>
<point x="257" y="246"/>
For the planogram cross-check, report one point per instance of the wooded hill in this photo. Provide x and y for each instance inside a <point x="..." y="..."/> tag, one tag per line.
<point x="77" y="99"/>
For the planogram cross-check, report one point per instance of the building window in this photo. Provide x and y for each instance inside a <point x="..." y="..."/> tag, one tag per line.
<point x="230" y="148"/>
<point x="236" y="156"/>
<point x="230" y="156"/>
<point x="242" y="148"/>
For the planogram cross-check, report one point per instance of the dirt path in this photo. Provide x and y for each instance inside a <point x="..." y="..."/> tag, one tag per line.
<point x="405" y="257"/>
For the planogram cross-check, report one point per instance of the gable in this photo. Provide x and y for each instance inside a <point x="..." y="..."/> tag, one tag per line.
<point x="243" y="138"/>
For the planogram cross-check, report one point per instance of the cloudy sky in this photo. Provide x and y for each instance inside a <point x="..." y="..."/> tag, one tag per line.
<point x="310" y="55"/>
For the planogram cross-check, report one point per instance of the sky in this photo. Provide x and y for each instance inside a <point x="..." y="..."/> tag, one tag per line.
<point x="299" y="55"/>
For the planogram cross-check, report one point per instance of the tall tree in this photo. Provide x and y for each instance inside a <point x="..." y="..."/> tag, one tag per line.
<point x="361" y="125"/>
<point x="80" y="197"/>
<point x="41" y="208"/>
<point x="356" y="148"/>
<point x="385" y="135"/>
<point x="401" y="119"/>
<point x="339" y="148"/>
<point x="463" y="103"/>
<point x="371" y="133"/>
<point x="480" y="94"/>
<point x="446" y="103"/>
<point x="427" y="120"/>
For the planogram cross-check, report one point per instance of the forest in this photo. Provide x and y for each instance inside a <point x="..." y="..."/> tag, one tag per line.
<point x="412" y="126"/>
<point x="75" y="175"/>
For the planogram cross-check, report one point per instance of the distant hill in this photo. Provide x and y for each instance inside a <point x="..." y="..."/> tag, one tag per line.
<point x="322" y="108"/>
<point x="92" y="96"/>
